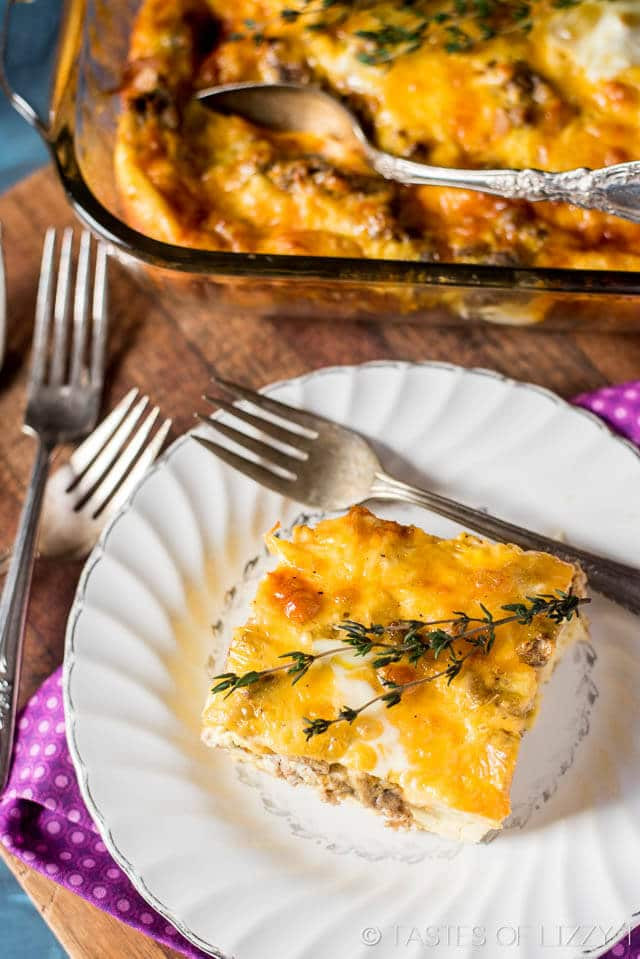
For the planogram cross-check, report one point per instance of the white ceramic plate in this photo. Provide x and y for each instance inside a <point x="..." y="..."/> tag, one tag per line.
<point x="246" y="866"/>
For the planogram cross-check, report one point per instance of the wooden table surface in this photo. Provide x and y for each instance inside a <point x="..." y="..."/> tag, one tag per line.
<point x="168" y="351"/>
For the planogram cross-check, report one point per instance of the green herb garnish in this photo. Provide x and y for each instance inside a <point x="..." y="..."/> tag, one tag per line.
<point x="416" y="639"/>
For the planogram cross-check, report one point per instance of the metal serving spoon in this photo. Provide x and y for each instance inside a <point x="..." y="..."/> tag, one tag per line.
<point x="291" y="107"/>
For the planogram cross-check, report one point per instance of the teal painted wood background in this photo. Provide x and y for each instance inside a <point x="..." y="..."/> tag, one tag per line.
<point x="24" y="934"/>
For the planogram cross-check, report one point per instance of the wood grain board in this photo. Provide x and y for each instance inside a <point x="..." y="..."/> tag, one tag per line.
<point x="168" y="350"/>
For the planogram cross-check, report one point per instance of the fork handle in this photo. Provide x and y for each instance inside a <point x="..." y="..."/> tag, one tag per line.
<point x="13" y="606"/>
<point x="615" y="580"/>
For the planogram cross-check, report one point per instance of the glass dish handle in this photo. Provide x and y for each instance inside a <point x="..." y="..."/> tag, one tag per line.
<point x="18" y="102"/>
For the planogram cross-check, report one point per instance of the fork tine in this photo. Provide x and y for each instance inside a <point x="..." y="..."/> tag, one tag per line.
<point x="107" y="456"/>
<point x="43" y="311"/>
<point x="81" y="309"/>
<point x="85" y="454"/>
<point x="122" y="492"/>
<point x="301" y="418"/>
<point x="61" y="311"/>
<point x="120" y="467"/>
<point x="263" y="450"/>
<point x="99" y="313"/>
<point x="273" y="481"/>
<point x="296" y="441"/>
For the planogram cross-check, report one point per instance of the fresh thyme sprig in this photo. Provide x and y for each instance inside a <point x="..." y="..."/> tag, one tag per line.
<point x="299" y="665"/>
<point x="480" y="638"/>
<point x="358" y="638"/>
<point x="559" y="608"/>
<point x="418" y="638"/>
<point x="458" y="26"/>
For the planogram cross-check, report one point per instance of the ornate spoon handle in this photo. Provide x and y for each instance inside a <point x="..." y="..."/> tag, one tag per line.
<point x="614" y="189"/>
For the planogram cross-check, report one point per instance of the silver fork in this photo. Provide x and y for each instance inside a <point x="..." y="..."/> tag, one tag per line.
<point x="64" y="390"/>
<point x="100" y="475"/>
<point x="322" y="464"/>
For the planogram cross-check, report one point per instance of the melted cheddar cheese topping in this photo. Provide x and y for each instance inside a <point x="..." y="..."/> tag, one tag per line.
<point x="453" y="744"/>
<point x="545" y="84"/>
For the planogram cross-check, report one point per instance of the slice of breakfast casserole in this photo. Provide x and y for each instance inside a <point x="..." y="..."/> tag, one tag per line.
<point x="384" y="665"/>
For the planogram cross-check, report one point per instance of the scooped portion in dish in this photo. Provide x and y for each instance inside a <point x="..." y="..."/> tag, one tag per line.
<point x="499" y="83"/>
<point x="388" y="667"/>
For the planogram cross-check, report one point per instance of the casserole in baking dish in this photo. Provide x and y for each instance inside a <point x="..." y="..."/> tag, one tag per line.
<point x="553" y="84"/>
<point x="81" y="125"/>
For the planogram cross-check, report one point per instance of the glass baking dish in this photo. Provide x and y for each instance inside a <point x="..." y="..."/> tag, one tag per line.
<point x="79" y="122"/>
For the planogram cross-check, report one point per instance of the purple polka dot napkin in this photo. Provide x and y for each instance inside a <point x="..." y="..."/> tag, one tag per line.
<point x="618" y="405"/>
<point x="44" y="822"/>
